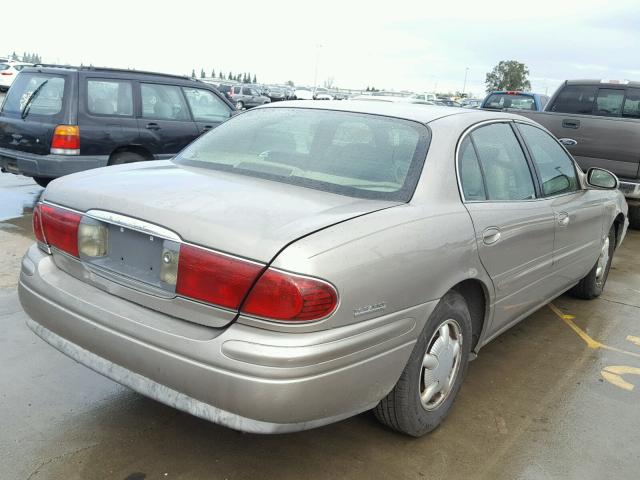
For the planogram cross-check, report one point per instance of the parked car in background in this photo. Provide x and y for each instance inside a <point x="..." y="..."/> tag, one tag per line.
<point x="323" y="92"/>
<point x="424" y="96"/>
<point x="445" y="102"/>
<point x="225" y="88"/>
<point x="245" y="96"/>
<point x="599" y="123"/>
<point x="303" y="93"/>
<point x="471" y="103"/>
<point x="276" y="93"/>
<point x="3" y="60"/>
<point x="274" y="281"/>
<point x="391" y="99"/>
<point x="517" y="100"/>
<point x="8" y="73"/>
<point x="60" y="120"/>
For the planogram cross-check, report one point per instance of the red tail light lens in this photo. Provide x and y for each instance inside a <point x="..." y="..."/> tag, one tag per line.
<point x="60" y="228"/>
<point x="37" y="224"/>
<point x="66" y="140"/>
<point x="291" y="298"/>
<point x="214" y="278"/>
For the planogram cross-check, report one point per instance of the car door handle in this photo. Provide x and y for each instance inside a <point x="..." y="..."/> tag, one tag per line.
<point x="490" y="235"/>
<point x="566" y="123"/>
<point x="563" y="219"/>
<point x="568" y="142"/>
<point x="152" y="126"/>
<point x="206" y="128"/>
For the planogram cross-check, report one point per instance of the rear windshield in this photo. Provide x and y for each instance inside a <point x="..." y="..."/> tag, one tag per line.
<point x="4" y="66"/>
<point x="506" y="100"/>
<point x="365" y="156"/>
<point x="224" y="88"/>
<point x="35" y="94"/>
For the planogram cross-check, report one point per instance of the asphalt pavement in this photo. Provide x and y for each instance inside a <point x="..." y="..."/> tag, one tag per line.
<point x="556" y="397"/>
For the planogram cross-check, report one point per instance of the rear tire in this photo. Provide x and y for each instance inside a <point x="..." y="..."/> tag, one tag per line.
<point x="239" y="105"/>
<point x="592" y="285"/>
<point x="634" y="217"/>
<point x="125" y="157"/>
<point x="42" y="181"/>
<point x="411" y="407"/>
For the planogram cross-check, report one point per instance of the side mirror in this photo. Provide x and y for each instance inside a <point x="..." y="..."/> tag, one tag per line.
<point x="602" y="179"/>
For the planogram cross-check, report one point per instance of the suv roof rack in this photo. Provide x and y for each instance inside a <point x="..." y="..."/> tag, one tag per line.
<point x="107" y="69"/>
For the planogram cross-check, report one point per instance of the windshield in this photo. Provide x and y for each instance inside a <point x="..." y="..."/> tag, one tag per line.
<point x="48" y="90"/>
<point x="509" y="100"/>
<point x="365" y="156"/>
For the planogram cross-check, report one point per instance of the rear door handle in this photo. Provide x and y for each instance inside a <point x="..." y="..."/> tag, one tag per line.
<point x="152" y="126"/>
<point x="563" y="219"/>
<point x="568" y="142"/>
<point x="567" y="123"/>
<point x="490" y="235"/>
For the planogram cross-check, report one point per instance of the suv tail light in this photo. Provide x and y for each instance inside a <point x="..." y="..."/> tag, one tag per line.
<point x="290" y="298"/>
<point x="60" y="228"/>
<point x="66" y="140"/>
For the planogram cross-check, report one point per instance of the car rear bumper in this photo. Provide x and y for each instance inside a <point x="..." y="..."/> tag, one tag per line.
<point x="49" y="166"/>
<point x="630" y="188"/>
<point x="246" y="378"/>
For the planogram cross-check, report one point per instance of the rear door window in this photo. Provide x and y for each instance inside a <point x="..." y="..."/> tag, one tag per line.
<point x="206" y="106"/>
<point x="631" y="107"/>
<point x="470" y="173"/>
<point x="609" y="102"/>
<point x="163" y="102"/>
<point x="35" y="94"/>
<point x="510" y="100"/>
<point x="575" y="99"/>
<point x="109" y="97"/>
<point x="506" y="170"/>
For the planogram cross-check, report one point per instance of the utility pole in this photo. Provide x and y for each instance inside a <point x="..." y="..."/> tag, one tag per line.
<point x="464" y="86"/>
<point x="315" y="75"/>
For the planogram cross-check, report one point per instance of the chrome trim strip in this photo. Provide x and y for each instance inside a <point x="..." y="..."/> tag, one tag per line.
<point x="134" y="224"/>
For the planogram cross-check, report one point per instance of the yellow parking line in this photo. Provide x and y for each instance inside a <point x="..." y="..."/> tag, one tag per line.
<point x="613" y="374"/>
<point x="633" y="339"/>
<point x="591" y="343"/>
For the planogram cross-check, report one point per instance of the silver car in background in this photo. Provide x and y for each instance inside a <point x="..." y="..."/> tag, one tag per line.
<point x="305" y="262"/>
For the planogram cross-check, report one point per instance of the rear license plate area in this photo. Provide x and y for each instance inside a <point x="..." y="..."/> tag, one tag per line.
<point x="135" y="255"/>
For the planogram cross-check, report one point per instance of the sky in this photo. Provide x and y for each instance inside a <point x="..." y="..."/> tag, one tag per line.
<point x="400" y="45"/>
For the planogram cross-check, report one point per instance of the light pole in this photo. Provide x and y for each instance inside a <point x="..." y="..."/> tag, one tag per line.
<point x="315" y="74"/>
<point x="464" y="86"/>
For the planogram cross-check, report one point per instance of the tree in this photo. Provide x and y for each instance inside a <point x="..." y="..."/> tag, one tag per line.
<point x="193" y="73"/>
<point x="367" y="88"/>
<point x="14" y="56"/>
<point x="328" y="83"/>
<point x="290" y="83"/>
<point x="221" y="76"/>
<point x="255" y="80"/>
<point x="508" y="75"/>
<point x="213" y="73"/>
<point x="230" y="76"/>
<point x="202" y="74"/>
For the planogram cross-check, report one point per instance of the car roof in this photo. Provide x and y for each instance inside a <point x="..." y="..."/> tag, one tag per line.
<point x="408" y="111"/>
<point x="58" y="69"/>
<point x="604" y="82"/>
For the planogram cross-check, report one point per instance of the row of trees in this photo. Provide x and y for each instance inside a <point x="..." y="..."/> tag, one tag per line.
<point x="508" y="75"/>
<point x="26" y="57"/>
<point x="239" y="77"/>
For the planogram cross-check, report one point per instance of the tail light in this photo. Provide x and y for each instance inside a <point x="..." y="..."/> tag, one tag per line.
<point x="213" y="277"/>
<point x="66" y="140"/>
<point x="37" y="224"/>
<point x="291" y="298"/>
<point x="6" y="73"/>
<point x="60" y="228"/>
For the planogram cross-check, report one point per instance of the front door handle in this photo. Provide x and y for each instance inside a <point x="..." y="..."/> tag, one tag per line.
<point x="563" y="219"/>
<point x="206" y="128"/>
<point x="152" y="126"/>
<point x="490" y="235"/>
<point x="568" y="142"/>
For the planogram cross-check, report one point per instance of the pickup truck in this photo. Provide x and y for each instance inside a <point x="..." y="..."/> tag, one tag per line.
<point x="599" y="123"/>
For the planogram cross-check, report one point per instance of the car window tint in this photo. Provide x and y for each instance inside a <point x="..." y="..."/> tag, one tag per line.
<point x="508" y="100"/>
<point x="631" y="107"/>
<point x="42" y="92"/>
<point x="206" y="106"/>
<point x="506" y="171"/>
<point x="470" y="173"/>
<point x="609" y="102"/>
<point x="575" y="99"/>
<point x="366" y="156"/>
<point x="556" y="170"/>
<point x="109" y="97"/>
<point x="163" y="102"/>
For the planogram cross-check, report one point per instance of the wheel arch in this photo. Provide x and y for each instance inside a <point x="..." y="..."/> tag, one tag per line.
<point x="476" y="294"/>
<point x="618" y="225"/>
<point x="137" y="149"/>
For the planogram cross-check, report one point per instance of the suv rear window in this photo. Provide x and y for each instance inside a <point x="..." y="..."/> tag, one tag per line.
<point x="509" y="100"/>
<point x="365" y="156"/>
<point x="37" y="93"/>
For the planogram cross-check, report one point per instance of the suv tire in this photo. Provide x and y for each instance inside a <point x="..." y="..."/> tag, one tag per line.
<point x="634" y="217"/>
<point x="125" y="157"/>
<point x="239" y="105"/>
<point x="42" y="181"/>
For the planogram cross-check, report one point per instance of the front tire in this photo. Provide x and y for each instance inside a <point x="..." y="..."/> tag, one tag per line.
<point x="431" y="380"/>
<point x="592" y="285"/>
<point x="239" y="105"/>
<point x="42" y="181"/>
<point x="634" y="217"/>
